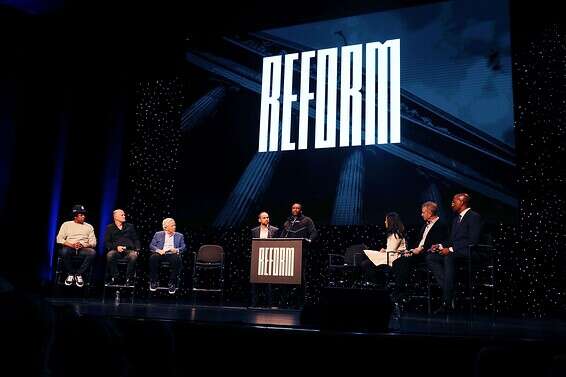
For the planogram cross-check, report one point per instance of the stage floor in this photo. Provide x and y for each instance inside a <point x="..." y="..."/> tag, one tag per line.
<point x="290" y="320"/>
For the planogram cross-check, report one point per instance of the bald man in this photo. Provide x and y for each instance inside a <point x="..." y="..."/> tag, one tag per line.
<point x="466" y="228"/>
<point x="121" y="241"/>
<point x="264" y="230"/>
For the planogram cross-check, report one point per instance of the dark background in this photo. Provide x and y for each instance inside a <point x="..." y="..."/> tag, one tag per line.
<point x="69" y="86"/>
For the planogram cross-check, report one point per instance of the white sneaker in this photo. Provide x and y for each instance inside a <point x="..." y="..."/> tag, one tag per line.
<point x="79" y="281"/>
<point x="153" y="286"/>
<point x="69" y="280"/>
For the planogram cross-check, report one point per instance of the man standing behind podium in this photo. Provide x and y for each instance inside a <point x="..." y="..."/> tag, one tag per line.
<point x="264" y="230"/>
<point x="299" y="225"/>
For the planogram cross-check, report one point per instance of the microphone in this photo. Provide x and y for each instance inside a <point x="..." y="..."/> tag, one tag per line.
<point x="291" y="220"/>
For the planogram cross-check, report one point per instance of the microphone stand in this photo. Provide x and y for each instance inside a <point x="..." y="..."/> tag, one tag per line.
<point x="291" y="224"/>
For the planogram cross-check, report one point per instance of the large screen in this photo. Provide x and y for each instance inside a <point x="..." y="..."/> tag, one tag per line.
<point x="351" y="117"/>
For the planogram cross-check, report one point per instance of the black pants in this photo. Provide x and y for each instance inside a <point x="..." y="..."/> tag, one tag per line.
<point x="86" y="253"/>
<point x="379" y="275"/>
<point x="155" y="260"/>
<point x="402" y="268"/>
<point x="254" y="290"/>
<point x="444" y="270"/>
<point x="112" y="262"/>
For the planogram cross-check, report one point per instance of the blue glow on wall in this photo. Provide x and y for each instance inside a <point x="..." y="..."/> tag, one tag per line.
<point x="57" y="185"/>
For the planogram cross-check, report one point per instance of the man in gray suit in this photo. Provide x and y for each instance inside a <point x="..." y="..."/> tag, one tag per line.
<point x="264" y="230"/>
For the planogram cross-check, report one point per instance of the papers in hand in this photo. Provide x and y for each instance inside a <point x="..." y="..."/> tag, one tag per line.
<point x="378" y="258"/>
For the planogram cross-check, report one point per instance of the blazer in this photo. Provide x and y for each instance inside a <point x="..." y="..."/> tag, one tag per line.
<point x="158" y="241"/>
<point x="465" y="232"/>
<point x="272" y="232"/>
<point x="438" y="234"/>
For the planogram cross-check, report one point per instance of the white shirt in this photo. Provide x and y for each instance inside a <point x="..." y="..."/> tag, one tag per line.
<point x="395" y="243"/>
<point x="463" y="213"/>
<point x="263" y="232"/>
<point x="427" y="229"/>
<point x="169" y="242"/>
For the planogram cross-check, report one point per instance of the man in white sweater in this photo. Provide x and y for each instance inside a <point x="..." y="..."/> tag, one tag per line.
<point x="77" y="238"/>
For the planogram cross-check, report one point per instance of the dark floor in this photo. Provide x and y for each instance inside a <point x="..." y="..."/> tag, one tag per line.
<point x="165" y="336"/>
<point x="408" y="324"/>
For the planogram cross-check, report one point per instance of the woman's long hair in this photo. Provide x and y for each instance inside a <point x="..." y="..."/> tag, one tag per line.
<point x="394" y="225"/>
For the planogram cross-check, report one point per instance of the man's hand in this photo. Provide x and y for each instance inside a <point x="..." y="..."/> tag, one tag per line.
<point x="417" y="250"/>
<point x="120" y="248"/>
<point x="77" y="245"/>
<point x="160" y="252"/>
<point x="444" y="251"/>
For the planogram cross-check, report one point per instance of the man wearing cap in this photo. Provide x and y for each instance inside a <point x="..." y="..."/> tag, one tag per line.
<point x="77" y="238"/>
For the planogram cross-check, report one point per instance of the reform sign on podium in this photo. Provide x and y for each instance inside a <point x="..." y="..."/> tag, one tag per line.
<point x="277" y="260"/>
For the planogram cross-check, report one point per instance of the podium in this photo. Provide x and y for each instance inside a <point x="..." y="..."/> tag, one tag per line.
<point x="277" y="261"/>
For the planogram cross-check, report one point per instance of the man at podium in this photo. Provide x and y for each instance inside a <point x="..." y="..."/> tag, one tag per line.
<point x="264" y="230"/>
<point x="299" y="225"/>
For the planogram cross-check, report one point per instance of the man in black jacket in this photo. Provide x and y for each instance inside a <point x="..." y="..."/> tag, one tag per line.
<point x="434" y="231"/>
<point x="466" y="229"/>
<point x="121" y="241"/>
<point x="299" y="225"/>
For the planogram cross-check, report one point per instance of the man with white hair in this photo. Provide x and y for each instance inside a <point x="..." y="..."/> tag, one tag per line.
<point x="166" y="246"/>
<point x="121" y="241"/>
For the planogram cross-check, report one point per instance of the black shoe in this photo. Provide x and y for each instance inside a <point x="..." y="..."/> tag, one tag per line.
<point x="444" y="310"/>
<point x="441" y="311"/>
<point x="153" y="286"/>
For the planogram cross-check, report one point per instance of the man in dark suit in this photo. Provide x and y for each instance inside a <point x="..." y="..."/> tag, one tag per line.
<point x="466" y="229"/>
<point x="264" y="230"/>
<point x="434" y="231"/>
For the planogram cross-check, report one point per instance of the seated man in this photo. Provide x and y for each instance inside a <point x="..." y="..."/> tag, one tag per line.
<point x="434" y="231"/>
<point x="77" y="238"/>
<point x="466" y="229"/>
<point x="166" y="246"/>
<point x="121" y="241"/>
